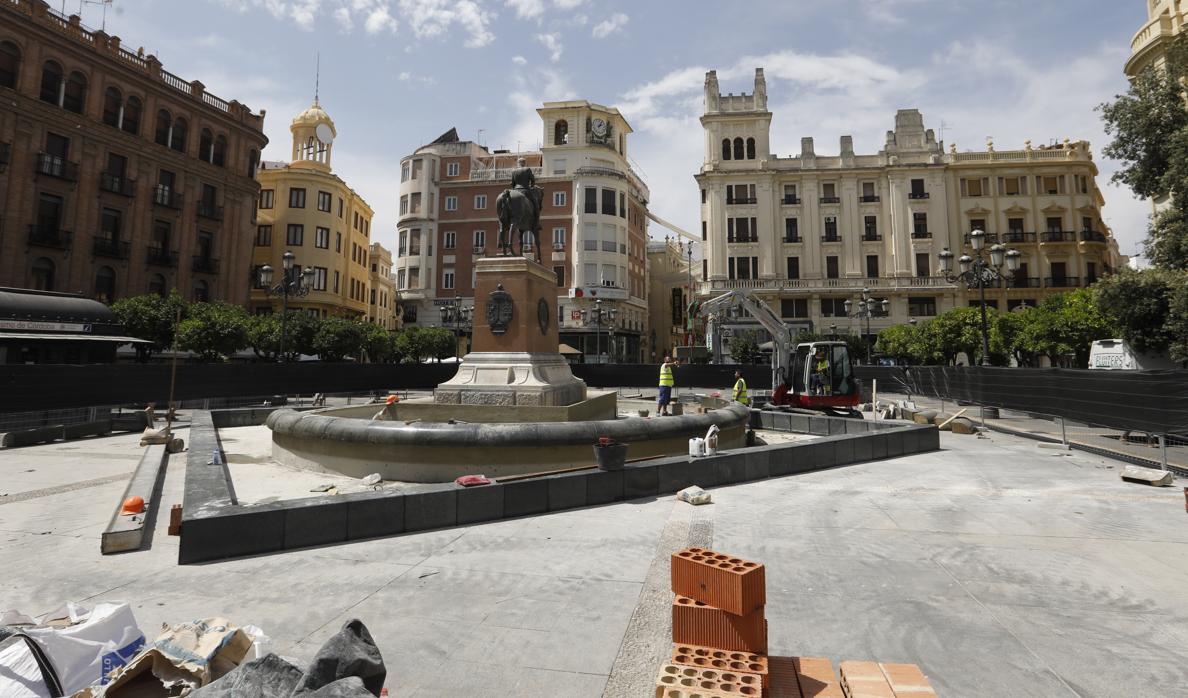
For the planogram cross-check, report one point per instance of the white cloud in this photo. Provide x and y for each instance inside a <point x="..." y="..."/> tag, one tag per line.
<point x="532" y="88"/>
<point x="519" y="60"/>
<point x="428" y="19"/>
<point x="552" y="42"/>
<point x="433" y="18"/>
<point x="406" y="76"/>
<point x="527" y="9"/>
<point x="379" y="20"/>
<point x="609" y="26"/>
<point x="568" y="4"/>
<point x="343" y="16"/>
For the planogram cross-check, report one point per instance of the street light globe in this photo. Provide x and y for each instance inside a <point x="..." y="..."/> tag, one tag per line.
<point x="946" y="260"/>
<point x="265" y="275"/>
<point x="997" y="252"/>
<point x="966" y="262"/>
<point x="1012" y="259"/>
<point x="886" y="304"/>
<point x="977" y="239"/>
<point x="849" y="304"/>
<point x="287" y="260"/>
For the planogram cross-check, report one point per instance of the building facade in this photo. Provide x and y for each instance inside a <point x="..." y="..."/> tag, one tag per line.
<point x="672" y="274"/>
<point x="593" y="223"/>
<point x="308" y="210"/>
<point x="808" y="232"/>
<point x="1165" y="21"/>
<point x="118" y="178"/>
<point x="382" y="300"/>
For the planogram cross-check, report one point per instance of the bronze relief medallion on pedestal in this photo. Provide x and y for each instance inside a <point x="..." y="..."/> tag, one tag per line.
<point x="500" y="309"/>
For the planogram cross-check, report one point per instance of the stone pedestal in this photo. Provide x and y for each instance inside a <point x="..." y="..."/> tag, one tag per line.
<point x="515" y="359"/>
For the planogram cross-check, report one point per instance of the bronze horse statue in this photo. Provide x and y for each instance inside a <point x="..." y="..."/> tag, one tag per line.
<point x="519" y="208"/>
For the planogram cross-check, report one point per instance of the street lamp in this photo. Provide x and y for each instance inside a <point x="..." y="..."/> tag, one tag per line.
<point x="598" y="315"/>
<point x="457" y="316"/>
<point x="978" y="272"/>
<point x="867" y="307"/>
<point x="291" y="285"/>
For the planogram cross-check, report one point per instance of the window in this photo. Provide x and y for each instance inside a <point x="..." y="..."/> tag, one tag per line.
<point x="452" y="169"/>
<point x="559" y="166"/>
<point x="750" y="148"/>
<point x="296" y="198"/>
<point x="704" y="232"/>
<point x="417" y="166"/>
<point x="324" y="201"/>
<point x="1083" y="184"/>
<point x="296" y="234"/>
<point x="480" y="239"/>
<point x="1090" y="272"/>
<point x="608" y="202"/>
<point x="794" y="307"/>
<point x="1012" y="186"/>
<point x="480" y="201"/>
<point x="738" y="149"/>
<point x="164" y="128"/>
<point x="725" y="148"/>
<point x="401" y="243"/>
<point x="113" y="107"/>
<point x="559" y="238"/>
<point x="591" y="200"/>
<point x="322" y="238"/>
<point x="561" y="132"/>
<point x="917" y="191"/>
<point x="870" y="227"/>
<point x="338" y="242"/>
<point x="451" y="203"/>
<point x="622" y="205"/>
<point x="51" y="83"/>
<point x="263" y="236"/>
<point x="977" y="224"/>
<point x="49" y="215"/>
<point x="404" y="169"/>
<point x="1015" y="225"/>
<point x="10" y="64"/>
<point x="105" y="280"/>
<point x="743" y="267"/>
<point x="923" y="262"/>
<point x="829" y="192"/>
<point x="560" y="272"/>
<point x="157" y="285"/>
<point x="74" y="96"/>
<point x="319" y="279"/>
<point x="162" y="233"/>
<point x="791" y="230"/>
<point x="833" y="307"/>
<point x="975" y="186"/>
<point x="267" y="197"/>
<point x="206" y="145"/>
<point x="868" y="191"/>
<point x="414" y="277"/>
<point x="253" y="162"/>
<point x="559" y="199"/>
<point x="793" y="267"/>
<point x="872" y="266"/>
<point x="42" y="274"/>
<point x="340" y="216"/>
<point x="920" y="224"/>
<point x="1055" y="224"/>
<point x="177" y="135"/>
<point x="201" y="292"/>
<point x="742" y="230"/>
<point x="449" y="240"/>
<point x="921" y="306"/>
<point x="831" y="270"/>
<point x="831" y="229"/>
<point x="447" y="278"/>
<point x="1049" y="184"/>
<point x="218" y="156"/>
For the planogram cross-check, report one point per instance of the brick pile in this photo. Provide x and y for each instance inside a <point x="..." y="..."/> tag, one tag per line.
<point x="719" y="634"/>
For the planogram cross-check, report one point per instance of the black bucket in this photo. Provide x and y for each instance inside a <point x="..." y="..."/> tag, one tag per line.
<point x="610" y="456"/>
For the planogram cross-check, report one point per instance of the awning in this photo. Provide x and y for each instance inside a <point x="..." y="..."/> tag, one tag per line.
<point x="74" y="337"/>
<point x="566" y="349"/>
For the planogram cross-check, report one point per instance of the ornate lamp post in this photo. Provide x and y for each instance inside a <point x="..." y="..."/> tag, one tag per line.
<point x="458" y="317"/>
<point x="597" y="316"/>
<point x="979" y="272"/>
<point x="291" y="285"/>
<point x="867" y="307"/>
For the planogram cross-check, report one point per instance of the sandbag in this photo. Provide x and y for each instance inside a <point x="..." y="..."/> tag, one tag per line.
<point x="85" y="653"/>
<point x="21" y="674"/>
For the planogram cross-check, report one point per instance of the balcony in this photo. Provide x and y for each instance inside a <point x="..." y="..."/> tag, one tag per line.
<point x="1018" y="236"/>
<point x="1062" y="282"/>
<point x="161" y="257"/>
<point x="740" y="239"/>
<point x="830" y="200"/>
<point x="1092" y="236"/>
<point x="792" y="239"/>
<point x="204" y="264"/>
<point x="117" y="184"/>
<point x="868" y="199"/>
<point x="104" y="246"/>
<point x="812" y="285"/>
<point x="45" y="236"/>
<point x="1058" y="236"/>
<point x="54" y="166"/>
<point x="871" y="237"/>
<point x="831" y="238"/>
<point x="917" y="195"/>
<point x="167" y="197"/>
<point x="209" y="210"/>
<point x="741" y="200"/>
<point x="921" y="235"/>
<point x="790" y="201"/>
<point x="1024" y="282"/>
<point x="988" y="238"/>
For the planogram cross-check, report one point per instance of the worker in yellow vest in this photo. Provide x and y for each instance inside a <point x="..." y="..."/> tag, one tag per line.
<point x="739" y="394"/>
<point x="666" y="384"/>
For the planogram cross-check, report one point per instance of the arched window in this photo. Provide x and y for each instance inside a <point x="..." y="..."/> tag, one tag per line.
<point x="750" y="148"/>
<point x="561" y="132"/>
<point x="253" y="162"/>
<point x="105" y="280"/>
<point x="157" y="285"/>
<point x="725" y="148"/>
<point x="42" y="274"/>
<point x="219" y="156"/>
<point x="738" y="149"/>
<point x="201" y="292"/>
<point x="113" y="105"/>
<point x="51" y="83"/>
<point x="177" y="141"/>
<point x="206" y="146"/>
<point x="132" y="109"/>
<point x="75" y="96"/>
<point x="10" y="64"/>
<point x="164" y="122"/>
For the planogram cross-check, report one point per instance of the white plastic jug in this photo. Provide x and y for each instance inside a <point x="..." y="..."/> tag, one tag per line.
<point x="711" y="440"/>
<point x="696" y="447"/>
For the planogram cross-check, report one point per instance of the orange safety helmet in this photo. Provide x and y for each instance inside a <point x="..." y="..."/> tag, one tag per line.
<point x="392" y="399"/>
<point x="133" y="505"/>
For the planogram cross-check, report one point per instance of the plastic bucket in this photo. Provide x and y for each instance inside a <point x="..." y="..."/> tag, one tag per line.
<point x="610" y="456"/>
<point x="696" y="447"/>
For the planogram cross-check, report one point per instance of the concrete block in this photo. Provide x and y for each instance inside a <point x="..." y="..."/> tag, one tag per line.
<point x="857" y="426"/>
<point x="525" y="497"/>
<point x="844" y="451"/>
<point x="863" y="447"/>
<point x="30" y="437"/>
<point x="316" y="521"/>
<point x="478" y="504"/>
<point x="818" y="455"/>
<point x="604" y="487"/>
<point x="878" y="444"/>
<point x="676" y="474"/>
<point x="432" y="506"/>
<point x="1147" y="476"/>
<point x="567" y="491"/>
<point x="756" y="464"/>
<point x="124" y="533"/>
<point x="641" y="480"/>
<point x="963" y="425"/>
<point x="232" y="532"/>
<point x="767" y="419"/>
<point x="895" y="443"/>
<point x="837" y="425"/>
<point x="1053" y="446"/>
<point x="929" y="440"/>
<point x="818" y="425"/>
<point x="782" y="421"/>
<point x="374" y="514"/>
<point x="730" y="467"/>
<point x="723" y="581"/>
<point x="785" y="460"/>
<point x="799" y="423"/>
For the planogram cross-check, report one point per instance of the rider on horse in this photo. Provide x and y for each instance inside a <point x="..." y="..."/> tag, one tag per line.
<point x="525" y="181"/>
<point x="520" y="207"/>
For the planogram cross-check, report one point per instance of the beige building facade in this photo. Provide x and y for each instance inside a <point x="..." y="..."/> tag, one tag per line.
<point x="809" y="231"/>
<point x="1165" y="21"/>
<point x="308" y="210"/>
<point x="671" y="277"/>
<point x="382" y="300"/>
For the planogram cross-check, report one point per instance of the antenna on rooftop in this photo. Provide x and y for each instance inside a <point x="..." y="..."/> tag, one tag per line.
<point x="317" y="77"/>
<point x="104" y="3"/>
<point x="944" y="126"/>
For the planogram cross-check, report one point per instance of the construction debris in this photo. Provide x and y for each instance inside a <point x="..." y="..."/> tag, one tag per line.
<point x="694" y="495"/>
<point x="1147" y="476"/>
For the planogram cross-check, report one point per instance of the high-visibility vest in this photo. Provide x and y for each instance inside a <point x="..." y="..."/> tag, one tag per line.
<point x="823" y="366"/>
<point x="666" y="376"/>
<point x="740" y="392"/>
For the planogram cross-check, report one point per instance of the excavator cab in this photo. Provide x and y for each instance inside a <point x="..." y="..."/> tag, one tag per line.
<point x="822" y="378"/>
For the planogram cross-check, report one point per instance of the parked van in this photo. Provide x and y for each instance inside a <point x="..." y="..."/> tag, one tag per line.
<point x="1117" y="355"/>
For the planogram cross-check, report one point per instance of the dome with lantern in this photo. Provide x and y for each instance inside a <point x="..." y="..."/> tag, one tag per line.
<point x="313" y="137"/>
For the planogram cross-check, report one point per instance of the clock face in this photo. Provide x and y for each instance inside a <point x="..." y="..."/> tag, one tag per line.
<point x="599" y="127"/>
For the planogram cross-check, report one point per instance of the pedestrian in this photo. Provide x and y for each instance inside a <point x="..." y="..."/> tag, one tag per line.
<point x="666" y="384"/>
<point x="739" y="394"/>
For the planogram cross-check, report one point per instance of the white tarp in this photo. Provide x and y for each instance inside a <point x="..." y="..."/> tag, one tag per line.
<point x="85" y="653"/>
<point x="20" y="675"/>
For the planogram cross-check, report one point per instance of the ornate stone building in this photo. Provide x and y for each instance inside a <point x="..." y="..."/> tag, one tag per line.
<point x="118" y="178"/>
<point x="809" y="231"/>
<point x="1165" y="21"/>
<point x="594" y="221"/>
<point x="382" y="297"/>
<point x="308" y="210"/>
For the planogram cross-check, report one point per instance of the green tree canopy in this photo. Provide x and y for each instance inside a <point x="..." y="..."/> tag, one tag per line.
<point x="412" y="345"/>
<point x="213" y="331"/>
<point x="151" y="317"/>
<point x="1065" y="325"/>
<point x="378" y="343"/>
<point x="1150" y="309"/>
<point x="744" y="347"/>
<point x="338" y="338"/>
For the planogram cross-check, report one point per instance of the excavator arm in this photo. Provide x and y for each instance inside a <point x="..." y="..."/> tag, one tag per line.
<point x="781" y="338"/>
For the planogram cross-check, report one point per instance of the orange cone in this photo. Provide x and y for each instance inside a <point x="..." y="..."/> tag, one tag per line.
<point x="133" y="505"/>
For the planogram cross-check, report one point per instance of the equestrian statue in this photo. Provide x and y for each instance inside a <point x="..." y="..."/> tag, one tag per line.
<point x="519" y="207"/>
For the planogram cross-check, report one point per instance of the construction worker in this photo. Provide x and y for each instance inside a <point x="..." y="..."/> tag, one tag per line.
<point x="666" y="384"/>
<point x="739" y="394"/>
<point x="819" y="380"/>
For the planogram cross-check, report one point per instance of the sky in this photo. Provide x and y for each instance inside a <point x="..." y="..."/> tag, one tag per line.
<point x="395" y="74"/>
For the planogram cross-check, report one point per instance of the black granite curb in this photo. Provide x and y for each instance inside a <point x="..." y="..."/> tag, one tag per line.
<point x="215" y="528"/>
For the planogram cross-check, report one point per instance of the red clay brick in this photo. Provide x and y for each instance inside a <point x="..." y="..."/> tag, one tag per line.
<point x="697" y="623"/>
<point x="665" y="691"/>
<point x="782" y="677"/>
<point x="723" y="660"/>
<point x="723" y="581"/>
<point x="864" y="680"/>
<point x="733" y="684"/>
<point x="907" y="681"/>
<point x="816" y="678"/>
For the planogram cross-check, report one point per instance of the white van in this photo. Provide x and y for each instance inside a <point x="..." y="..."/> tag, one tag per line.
<point x="1116" y="355"/>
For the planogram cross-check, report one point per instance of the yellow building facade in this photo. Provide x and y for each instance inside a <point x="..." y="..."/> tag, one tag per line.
<point x="308" y="210"/>
<point x="1165" y="21"/>
<point x="382" y="296"/>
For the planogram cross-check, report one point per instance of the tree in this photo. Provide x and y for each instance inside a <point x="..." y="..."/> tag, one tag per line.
<point x="903" y="342"/>
<point x="338" y="338"/>
<point x="151" y="317"/>
<point x="263" y="335"/>
<point x="377" y="343"/>
<point x="1150" y="309"/>
<point x="744" y="347"/>
<point x="1065" y="325"/>
<point x="440" y="343"/>
<point x="265" y="331"/>
<point x="213" y="331"/>
<point x="412" y="345"/>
